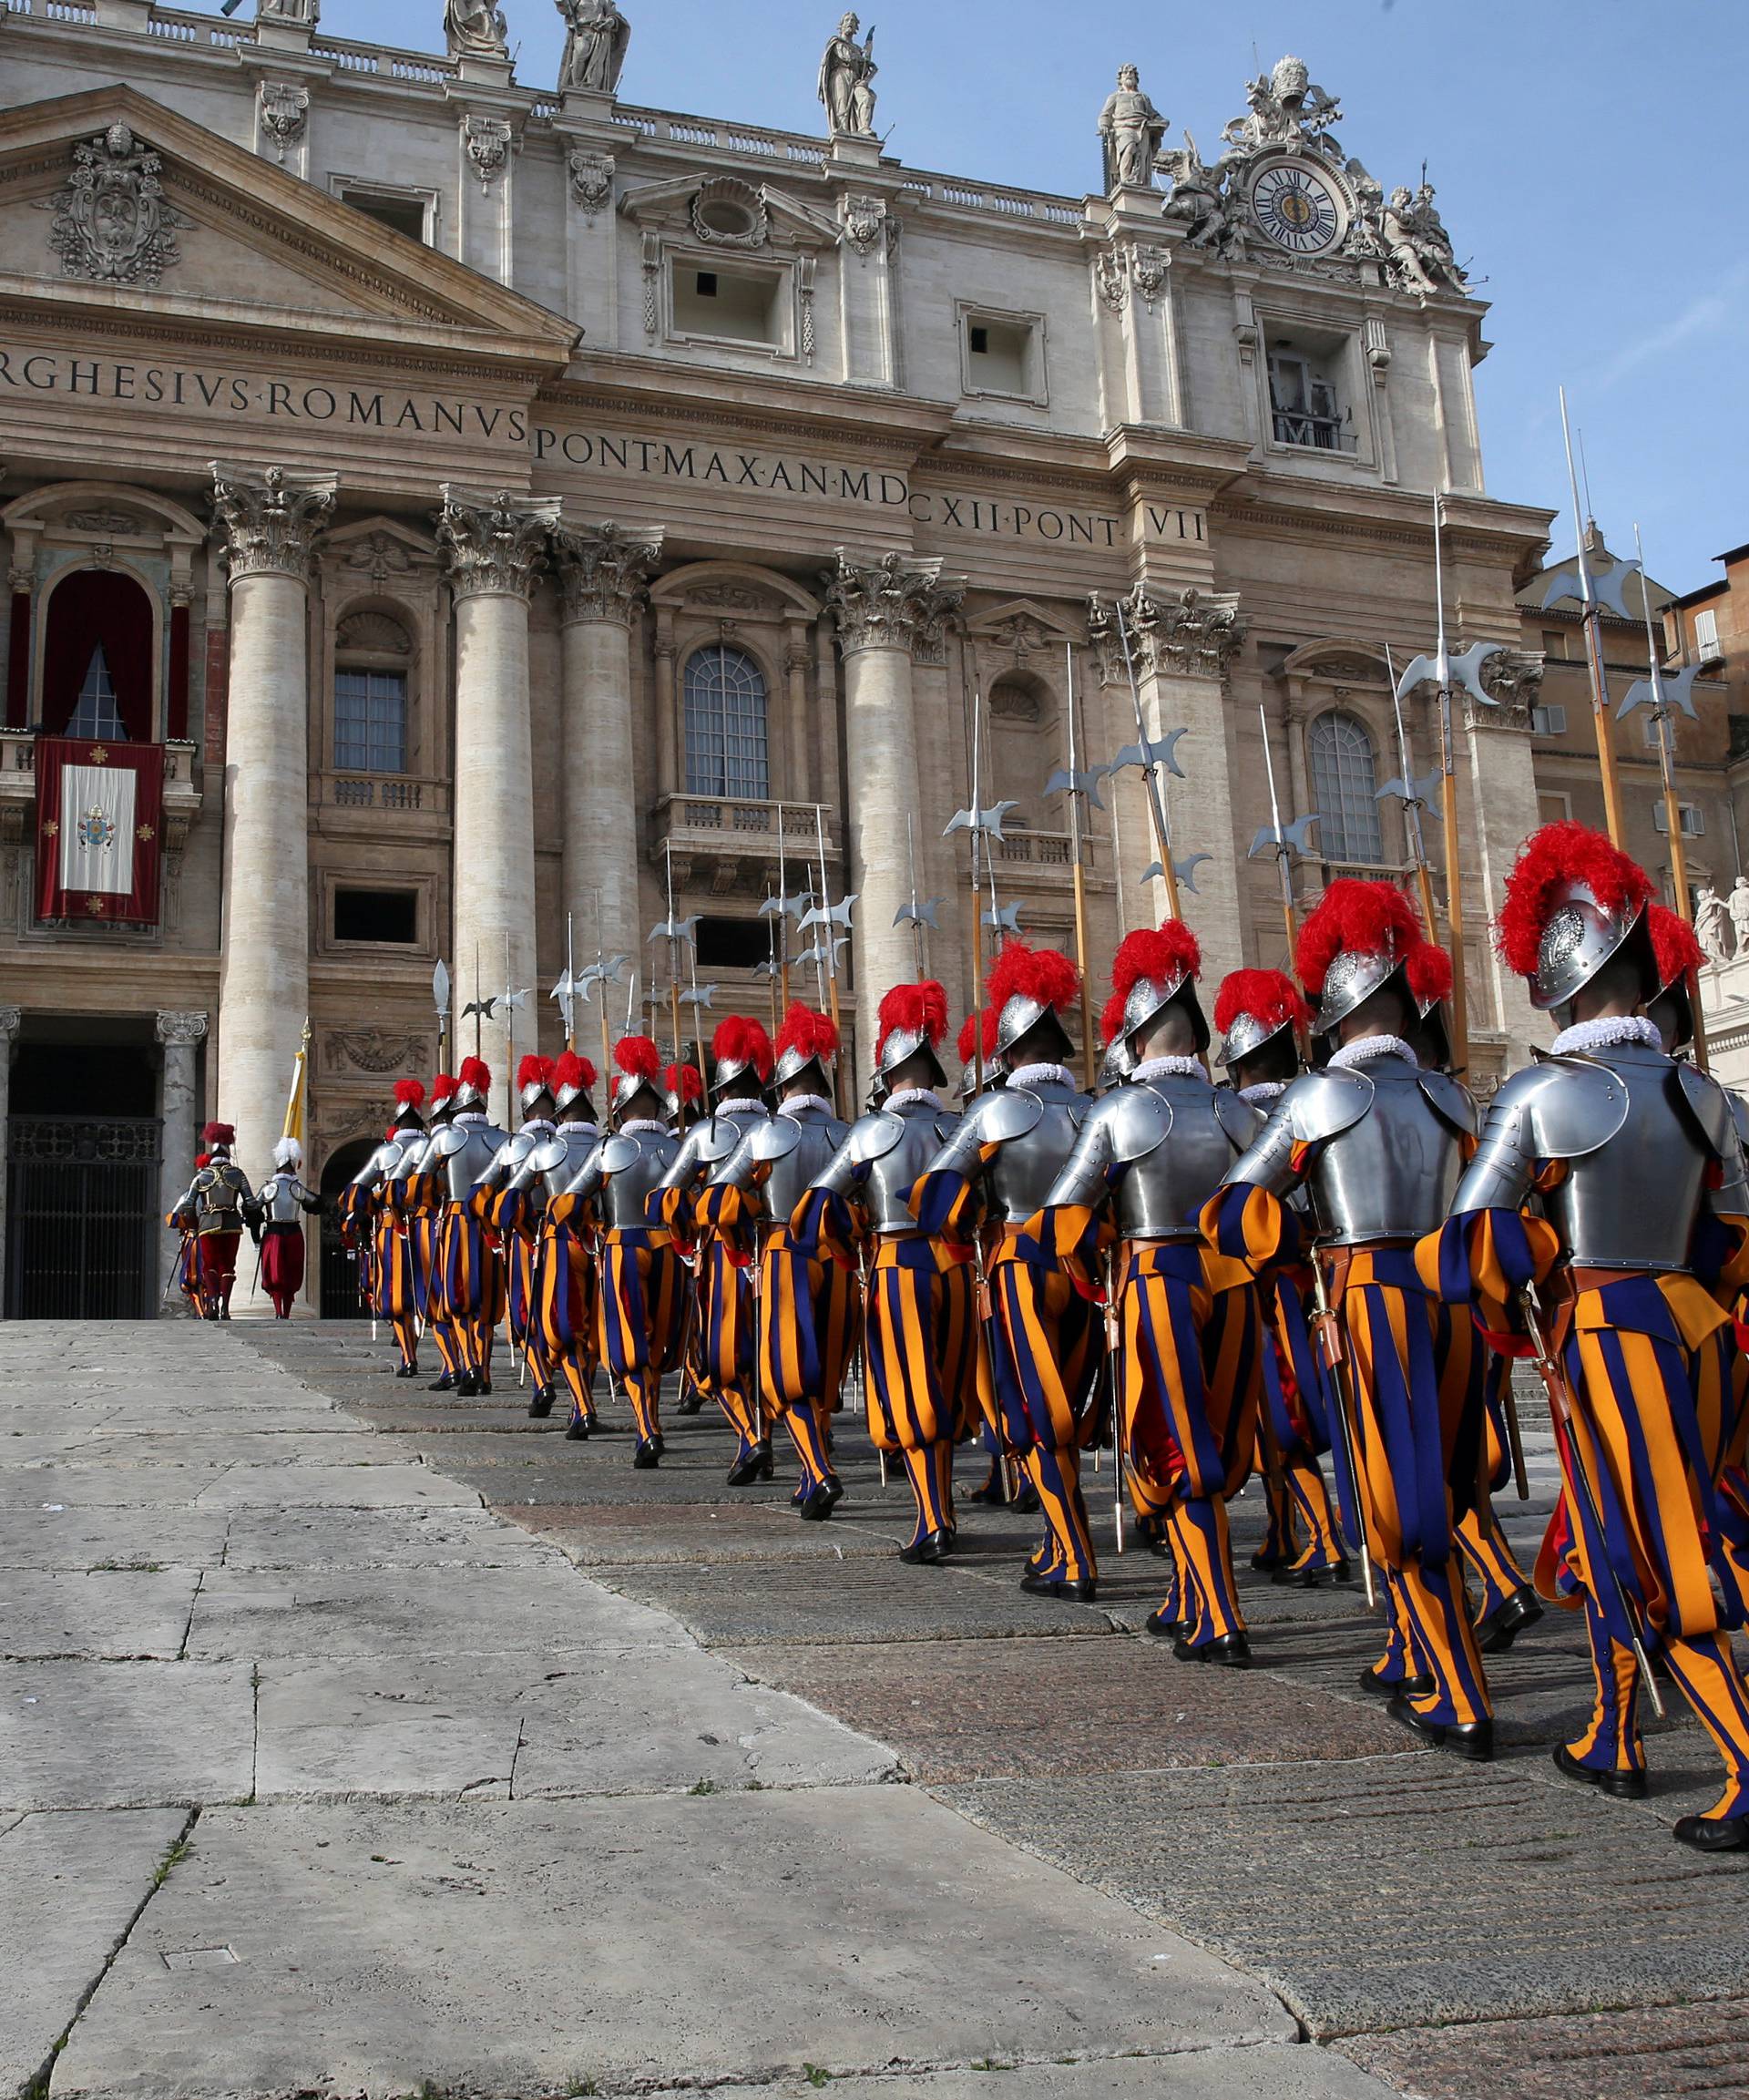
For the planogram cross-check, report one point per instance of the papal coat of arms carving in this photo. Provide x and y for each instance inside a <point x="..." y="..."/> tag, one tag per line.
<point x="111" y="221"/>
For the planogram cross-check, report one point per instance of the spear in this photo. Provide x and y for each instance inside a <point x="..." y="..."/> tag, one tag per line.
<point x="914" y="915"/>
<point x="1651" y="691"/>
<point x="826" y="916"/>
<point x="1591" y="618"/>
<point x="1413" y="794"/>
<point x="1075" y="783"/>
<point x="440" y="999"/>
<point x="1281" y="840"/>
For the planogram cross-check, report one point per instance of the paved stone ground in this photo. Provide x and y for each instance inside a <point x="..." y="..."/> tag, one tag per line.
<point x="354" y="1740"/>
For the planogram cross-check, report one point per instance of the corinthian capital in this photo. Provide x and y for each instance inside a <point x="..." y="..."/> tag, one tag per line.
<point x="1186" y="634"/>
<point x="494" y="545"/>
<point x="270" y="524"/>
<point x="603" y="569"/>
<point x="892" y="603"/>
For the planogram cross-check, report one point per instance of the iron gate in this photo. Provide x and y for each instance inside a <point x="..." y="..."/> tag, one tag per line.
<point x="342" y="1295"/>
<point x="82" y="1225"/>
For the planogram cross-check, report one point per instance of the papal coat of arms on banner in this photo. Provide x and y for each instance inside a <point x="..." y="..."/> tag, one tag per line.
<point x="97" y="831"/>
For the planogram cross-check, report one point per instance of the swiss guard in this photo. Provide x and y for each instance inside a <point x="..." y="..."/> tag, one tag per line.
<point x="468" y="1274"/>
<point x="367" y="1214"/>
<point x="276" y="1216"/>
<point x="214" y="1206"/>
<point x="1379" y="1143"/>
<point x="564" y="1306"/>
<point x="513" y="1221"/>
<point x="1606" y="1178"/>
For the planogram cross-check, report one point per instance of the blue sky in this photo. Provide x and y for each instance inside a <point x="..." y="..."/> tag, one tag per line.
<point x="1589" y="161"/>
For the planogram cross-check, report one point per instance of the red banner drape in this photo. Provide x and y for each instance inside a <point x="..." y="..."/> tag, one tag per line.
<point x="59" y="806"/>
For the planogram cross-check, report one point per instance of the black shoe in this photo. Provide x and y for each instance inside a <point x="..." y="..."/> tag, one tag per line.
<point x="1232" y="1650"/>
<point x="1388" y="1687"/>
<point x="541" y="1405"/>
<point x="577" y="1430"/>
<point x="484" y="1384"/>
<point x="406" y="1370"/>
<point x="468" y="1383"/>
<point x="1712" y="1833"/>
<point x="990" y="1495"/>
<point x="1471" y="1740"/>
<point x="1265" y="1563"/>
<point x="817" y="1505"/>
<point x="1150" y="1532"/>
<point x="1163" y="1628"/>
<point x="445" y="1384"/>
<point x="1082" y="1590"/>
<point x="1502" y="1627"/>
<point x="1619" y="1785"/>
<point x="1310" y="1578"/>
<point x="658" y="1444"/>
<point x="646" y="1458"/>
<point x="1025" y="1503"/>
<point x="755" y="1465"/>
<point x="929" y="1550"/>
<point x="689" y="1402"/>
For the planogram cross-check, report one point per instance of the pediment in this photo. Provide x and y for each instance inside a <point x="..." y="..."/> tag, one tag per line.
<point x="687" y="206"/>
<point x="1336" y="657"/>
<point x="1022" y="622"/>
<point x="198" y="227"/>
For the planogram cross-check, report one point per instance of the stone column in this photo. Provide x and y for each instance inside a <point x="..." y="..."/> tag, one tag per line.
<point x="270" y="526"/>
<point x="495" y="547"/>
<point x="602" y="576"/>
<point x="888" y="611"/>
<point x="178" y="1112"/>
<point x="1180" y="643"/>
<point x="10" y="1017"/>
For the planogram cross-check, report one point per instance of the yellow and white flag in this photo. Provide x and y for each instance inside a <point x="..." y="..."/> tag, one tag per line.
<point x="297" y="1098"/>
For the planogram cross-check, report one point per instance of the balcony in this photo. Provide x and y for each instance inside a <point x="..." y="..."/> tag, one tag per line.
<point x="18" y="796"/>
<point x="1045" y="849"/>
<point x="728" y="846"/>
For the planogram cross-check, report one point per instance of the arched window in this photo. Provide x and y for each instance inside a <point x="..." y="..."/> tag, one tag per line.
<point x="97" y="658"/>
<point x="725" y="725"/>
<point x="1344" y="778"/>
<point x="371" y="693"/>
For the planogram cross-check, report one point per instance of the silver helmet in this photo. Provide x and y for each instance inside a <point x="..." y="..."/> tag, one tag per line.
<point x="573" y="1078"/>
<point x="1029" y="987"/>
<point x="739" y="1046"/>
<point x="805" y="1039"/>
<point x="637" y="1067"/>
<point x="1247" y="1036"/>
<point x="911" y="1022"/>
<point x="534" y="1079"/>
<point x="1578" y="937"/>
<point x="1117" y="1065"/>
<point x="473" y="1084"/>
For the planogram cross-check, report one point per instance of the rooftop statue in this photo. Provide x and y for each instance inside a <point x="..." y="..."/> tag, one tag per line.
<point x="597" y="35"/>
<point x="476" y="29"/>
<point x="847" y="71"/>
<point x="1131" y="130"/>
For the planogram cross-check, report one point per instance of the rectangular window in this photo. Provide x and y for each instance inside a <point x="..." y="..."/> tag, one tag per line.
<point x="1548" y="720"/>
<point x="1305" y="406"/>
<point x="1554" y="642"/>
<point x="1002" y="354"/>
<point x="1706" y="637"/>
<point x="382" y="915"/>
<point x="741" y="305"/>
<point x="400" y="214"/>
<point x="1553" y="807"/>
<point x="1692" y="821"/>
<point x="732" y="943"/>
<point x="371" y="721"/>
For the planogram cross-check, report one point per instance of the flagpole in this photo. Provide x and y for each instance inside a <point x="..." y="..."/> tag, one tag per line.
<point x="1591" y="621"/>
<point x="1089" y="1073"/>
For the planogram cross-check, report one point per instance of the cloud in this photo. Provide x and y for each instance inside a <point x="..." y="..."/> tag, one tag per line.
<point x="1712" y="311"/>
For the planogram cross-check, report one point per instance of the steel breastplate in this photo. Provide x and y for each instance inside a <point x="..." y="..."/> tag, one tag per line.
<point x="1389" y="1175"/>
<point x="573" y="1143"/>
<point x="1021" y="1177"/>
<point x="1634" y="1201"/>
<point x="278" y="1199"/>
<point x="1157" y="1195"/>
<point x="625" y="1198"/>
<point x="895" y="1173"/>
<point x="465" y="1166"/>
<point x="794" y="1173"/>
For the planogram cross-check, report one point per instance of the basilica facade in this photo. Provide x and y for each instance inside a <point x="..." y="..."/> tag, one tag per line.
<point x="485" y="523"/>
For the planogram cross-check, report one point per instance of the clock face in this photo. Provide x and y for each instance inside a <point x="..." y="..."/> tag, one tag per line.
<point x="1297" y="207"/>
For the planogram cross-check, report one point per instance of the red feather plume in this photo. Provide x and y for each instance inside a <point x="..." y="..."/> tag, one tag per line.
<point x="638" y="1057"/>
<point x="967" y="1034"/>
<point x="443" y="1089"/>
<point x="738" y="1041"/>
<point x="1111" y="1019"/>
<point x="571" y="1070"/>
<point x="1045" y="974"/>
<point x="409" y="1093"/>
<point x="534" y="1070"/>
<point x="1675" y="944"/>
<point x="1270" y="996"/>
<point x="1430" y="974"/>
<point x="1158" y="953"/>
<point x="1355" y="918"/>
<point x="220" y="1135"/>
<point x="810" y="1033"/>
<point x="913" y="1009"/>
<point x="1557" y="854"/>
<point x="202" y="1160"/>
<point x="686" y="1083"/>
<point x="476" y="1073"/>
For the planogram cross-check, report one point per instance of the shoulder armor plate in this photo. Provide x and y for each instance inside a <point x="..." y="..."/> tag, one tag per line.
<point x="1452" y="1103"/>
<point x="716" y="1139"/>
<point x="448" y="1140"/>
<point x="872" y="1137"/>
<point x="1740" y="1116"/>
<point x="1138" y="1123"/>
<point x="775" y="1139"/>
<point x="1238" y="1119"/>
<point x="1324" y="1103"/>
<point x="1007" y="1114"/>
<point x="1573" y="1106"/>
<point x="1712" y="1108"/>
<point x="549" y="1153"/>
<point x="617" y="1153"/>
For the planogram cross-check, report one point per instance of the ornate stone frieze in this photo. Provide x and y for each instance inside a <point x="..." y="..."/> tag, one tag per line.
<point x="374" y="631"/>
<point x="381" y="556"/>
<point x="591" y="180"/>
<point x="1111" y="280"/>
<point x="375" y="1050"/>
<point x="866" y="221"/>
<point x="494" y="545"/>
<point x="111" y="220"/>
<point x="488" y="142"/>
<point x="1512" y="678"/>
<point x="271" y="524"/>
<point x="181" y="1028"/>
<point x="1185" y="634"/>
<point x="729" y="213"/>
<point x="10" y="1019"/>
<point x="892" y="604"/>
<point x="284" y="109"/>
<point x="603" y="570"/>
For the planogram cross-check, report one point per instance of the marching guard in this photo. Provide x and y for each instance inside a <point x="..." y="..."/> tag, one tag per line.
<point x="467" y="1274"/>
<point x="366" y="1211"/>
<point x="180" y="1220"/>
<point x="516" y="1226"/>
<point x="276" y="1217"/>
<point x="740" y="1058"/>
<point x="565" y="1315"/>
<point x="1043" y="1338"/>
<point x="919" y="1326"/>
<point x="1380" y="1143"/>
<point x="1189" y="1319"/>
<point x="642" y="1298"/>
<point x="1605" y="1174"/>
<point x="214" y="1207"/>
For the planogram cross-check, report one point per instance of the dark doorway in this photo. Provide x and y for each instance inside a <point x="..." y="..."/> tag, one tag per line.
<point x="82" y="1183"/>
<point x="341" y="1293"/>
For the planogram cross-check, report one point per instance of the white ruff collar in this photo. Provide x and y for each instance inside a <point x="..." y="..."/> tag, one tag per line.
<point x="796" y="1102"/>
<point x="468" y="1116"/>
<point x="1265" y="1092"/>
<point x="1606" y="1034"/>
<point x="643" y="1124"/>
<point x="1040" y="1075"/>
<point x="1370" y="1047"/>
<point x="1168" y="1068"/>
<point x="535" y="1123"/>
<point x="913" y="1097"/>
